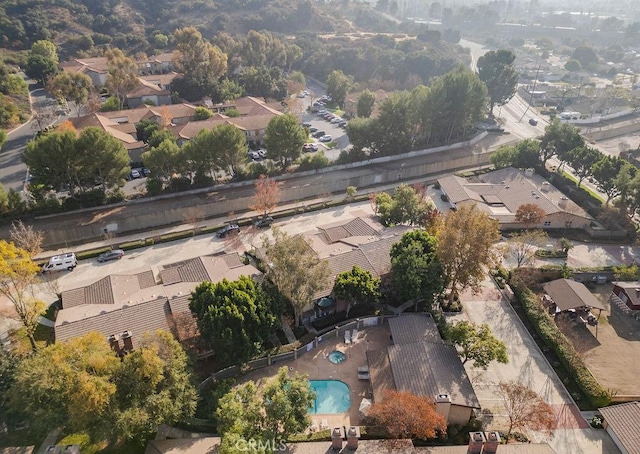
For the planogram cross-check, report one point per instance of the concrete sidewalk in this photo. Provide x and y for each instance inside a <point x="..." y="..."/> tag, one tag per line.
<point x="529" y="366"/>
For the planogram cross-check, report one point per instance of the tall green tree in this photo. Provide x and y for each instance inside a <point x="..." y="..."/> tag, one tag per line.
<point x="417" y="273"/>
<point x="42" y="61"/>
<point x="605" y="172"/>
<point x="123" y="75"/>
<point x="395" y="124"/>
<point x="295" y="269"/>
<point x="103" y="158"/>
<point x="365" y="104"/>
<point x="582" y="159"/>
<point x="496" y="70"/>
<point x="73" y="87"/>
<point x="53" y="161"/>
<point x="465" y="247"/>
<point x="201" y="152"/>
<point x="271" y="413"/>
<point x="284" y="138"/>
<point x="362" y="132"/>
<point x="406" y="206"/>
<point x="476" y="343"/>
<point x="558" y="140"/>
<point x="357" y="286"/>
<point x="45" y="48"/>
<point x="235" y="318"/>
<point x="164" y="160"/>
<point x="231" y="147"/>
<point x="338" y="84"/>
<point x="154" y="385"/>
<point x="67" y="385"/>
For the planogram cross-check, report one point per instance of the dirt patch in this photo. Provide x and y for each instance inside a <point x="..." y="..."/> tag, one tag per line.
<point x="611" y="349"/>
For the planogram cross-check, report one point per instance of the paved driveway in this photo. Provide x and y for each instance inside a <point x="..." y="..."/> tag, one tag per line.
<point x="528" y="366"/>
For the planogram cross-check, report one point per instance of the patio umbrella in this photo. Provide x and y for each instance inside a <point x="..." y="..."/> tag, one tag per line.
<point x="365" y="405"/>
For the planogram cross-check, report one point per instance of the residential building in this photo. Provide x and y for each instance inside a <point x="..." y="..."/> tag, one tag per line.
<point x="123" y="306"/>
<point x="500" y="193"/>
<point x="154" y="90"/>
<point x="97" y="68"/>
<point x="421" y="363"/>
<point x="629" y="293"/>
<point x="157" y="64"/>
<point x="622" y="423"/>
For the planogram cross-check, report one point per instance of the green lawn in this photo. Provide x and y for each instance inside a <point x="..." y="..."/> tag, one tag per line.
<point x="586" y="188"/>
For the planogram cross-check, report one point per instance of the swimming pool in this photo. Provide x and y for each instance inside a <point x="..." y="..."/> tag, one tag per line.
<point x="337" y="357"/>
<point x="332" y="396"/>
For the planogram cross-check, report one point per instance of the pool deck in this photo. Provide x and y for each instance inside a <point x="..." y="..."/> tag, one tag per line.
<point x="316" y="365"/>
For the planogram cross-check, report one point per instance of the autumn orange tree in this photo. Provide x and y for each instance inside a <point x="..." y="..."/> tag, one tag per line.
<point x="18" y="273"/>
<point x="406" y="415"/>
<point x="267" y="195"/>
<point x="524" y="408"/>
<point x="530" y="214"/>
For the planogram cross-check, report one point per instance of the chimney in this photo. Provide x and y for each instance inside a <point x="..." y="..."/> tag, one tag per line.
<point x="353" y="435"/>
<point x="127" y="339"/>
<point x="476" y="440"/>
<point x="337" y="434"/>
<point x="114" y="343"/>
<point x="491" y="445"/>
<point x="443" y="405"/>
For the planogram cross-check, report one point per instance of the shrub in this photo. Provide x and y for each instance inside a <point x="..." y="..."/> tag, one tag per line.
<point x="551" y="254"/>
<point x="556" y="341"/>
<point x="313" y="162"/>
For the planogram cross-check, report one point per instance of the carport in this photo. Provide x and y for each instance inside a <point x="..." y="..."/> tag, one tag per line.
<point x="571" y="296"/>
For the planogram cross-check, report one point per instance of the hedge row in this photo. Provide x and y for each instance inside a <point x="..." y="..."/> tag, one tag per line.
<point x="554" y="339"/>
<point x="551" y="254"/>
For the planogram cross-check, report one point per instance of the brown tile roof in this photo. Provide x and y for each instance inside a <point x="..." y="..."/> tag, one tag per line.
<point x="211" y="268"/>
<point x="414" y="328"/>
<point x="252" y="122"/>
<point x="355" y="227"/>
<point x="147" y="89"/>
<point x="162" y="57"/>
<point x="569" y="294"/>
<point x="380" y="373"/>
<point x="624" y="422"/>
<point x="160" y="79"/>
<point x="344" y="262"/>
<point x="503" y="191"/>
<point x="250" y="106"/>
<point x="96" y="64"/>
<point x="137" y="318"/>
<point x="630" y="290"/>
<point x="192" y="128"/>
<point x="377" y="253"/>
<point x="112" y="289"/>
<point x="426" y="366"/>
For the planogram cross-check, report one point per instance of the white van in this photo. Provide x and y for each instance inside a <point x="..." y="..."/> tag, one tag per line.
<point x="60" y="263"/>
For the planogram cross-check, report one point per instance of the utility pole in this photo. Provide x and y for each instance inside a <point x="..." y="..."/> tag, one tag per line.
<point x="531" y="97"/>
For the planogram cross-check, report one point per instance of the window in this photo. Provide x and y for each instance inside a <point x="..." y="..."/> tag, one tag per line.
<point x="547" y="223"/>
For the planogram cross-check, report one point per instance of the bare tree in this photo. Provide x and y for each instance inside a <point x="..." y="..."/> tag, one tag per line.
<point x="26" y="237"/>
<point x="522" y="246"/>
<point x="525" y="409"/>
<point x="267" y="195"/>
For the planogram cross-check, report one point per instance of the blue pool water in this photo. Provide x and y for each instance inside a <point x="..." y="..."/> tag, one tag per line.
<point x="332" y="396"/>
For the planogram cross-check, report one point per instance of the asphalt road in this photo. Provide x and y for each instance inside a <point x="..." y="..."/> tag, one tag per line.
<point x="13" y="172"/>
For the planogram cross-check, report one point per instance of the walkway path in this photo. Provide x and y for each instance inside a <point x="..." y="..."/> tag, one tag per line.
<point x="287" y="332"/>
<point x="527" y="365"/>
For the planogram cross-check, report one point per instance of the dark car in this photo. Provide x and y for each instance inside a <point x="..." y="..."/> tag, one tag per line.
<point x="318" y="134"/>
<point x="533" y="122"/>
<point x="116" y="254"/>
<point x="228" y="230"/>
<point x="264" y="222"/>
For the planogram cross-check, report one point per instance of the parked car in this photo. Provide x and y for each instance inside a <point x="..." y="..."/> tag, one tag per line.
<point x="326" y="138"/>
<point x="264" y="222"/>
<point x="336" y="120"/>
<point x="318" y="104"/>
<point x="146" y="172"/>
<point x="135" y="173"/>
<point x="313" y="129"/>
<point x="318" y="134"/>
<point x="310" y="147"/>
<point x="306" y="124"/>
<point x="254" y="155"/>
<point x="262" y="152"/>
<point x="321" y="112"/>
<point x="228" y="230"/>
<point x="116" y="254"/>
<point x="533" y="122"/>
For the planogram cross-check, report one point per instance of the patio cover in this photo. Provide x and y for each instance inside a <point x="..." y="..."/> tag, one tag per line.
<point x="568" y="294"/>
